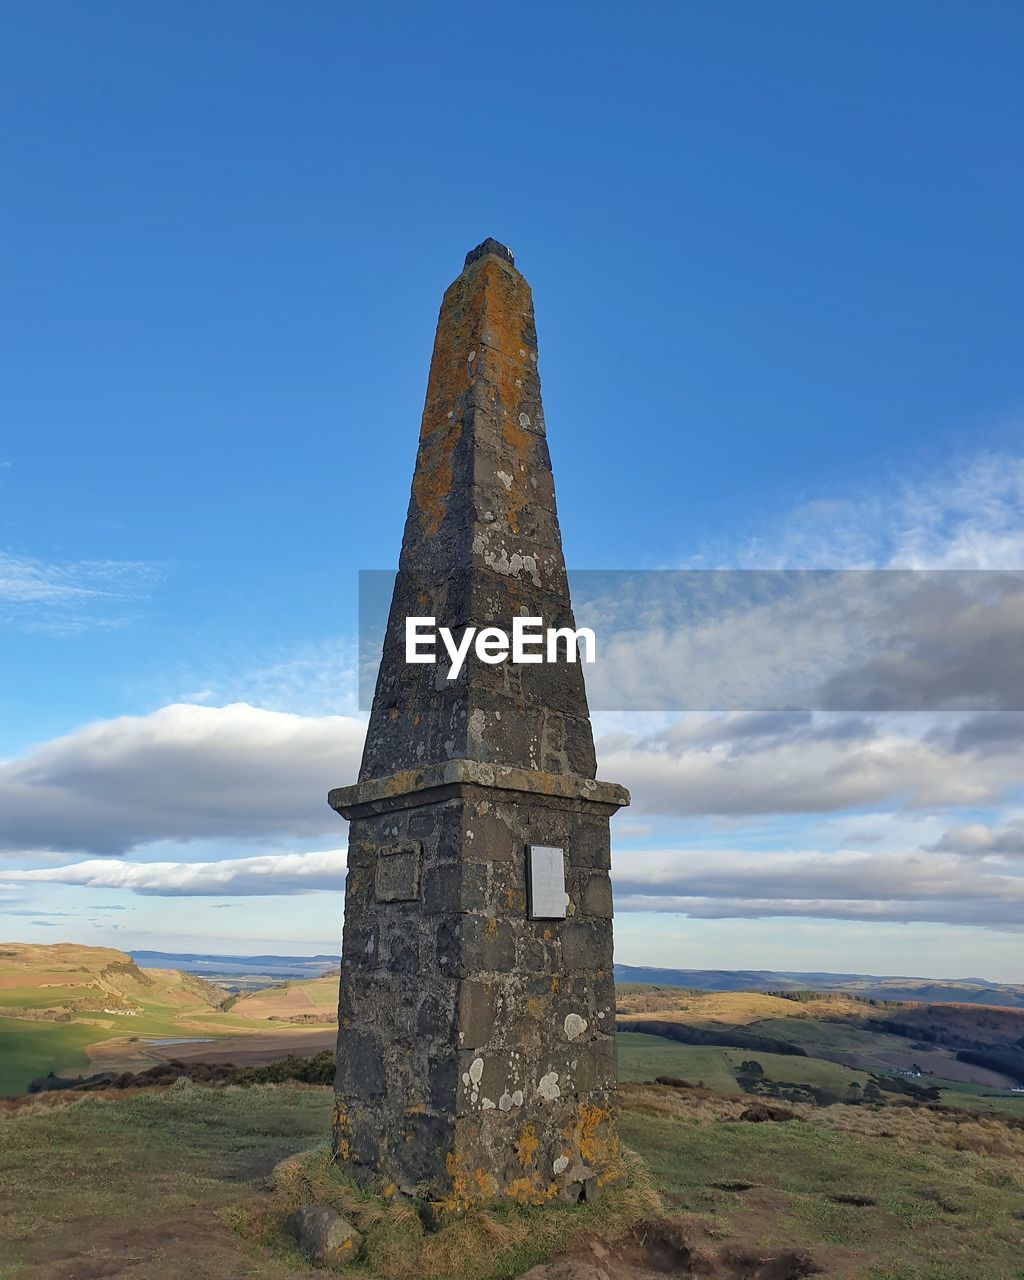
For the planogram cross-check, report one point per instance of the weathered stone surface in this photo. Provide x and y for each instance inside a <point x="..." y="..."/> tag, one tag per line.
<point x="323" y="1235"/>
<point x="475" y="1049"/>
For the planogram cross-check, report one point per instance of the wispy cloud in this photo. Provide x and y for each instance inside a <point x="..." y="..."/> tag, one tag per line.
<point x="312" y="680"/>
<point x="73" y="596"/>
<point x="966" y="515"/>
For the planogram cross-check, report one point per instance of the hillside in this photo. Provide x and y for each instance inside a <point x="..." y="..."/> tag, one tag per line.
<point x="312" y="1001"/>
<point x="67" y="1008"/>
<point x="69" y="978"/>
<point x="79" y="1010"/>
<point x="971" y="1055"/>
<point x="927" y="990"/>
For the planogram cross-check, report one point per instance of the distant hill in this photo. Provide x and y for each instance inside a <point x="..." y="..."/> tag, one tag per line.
<point x="310" y="1000"/>
<point x="239" y="972"/>
<point x="924" y="990"/>
<point x="66" y="977"/>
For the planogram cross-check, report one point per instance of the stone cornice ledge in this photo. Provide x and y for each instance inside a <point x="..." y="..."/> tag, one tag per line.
<point x="412" y="786"/>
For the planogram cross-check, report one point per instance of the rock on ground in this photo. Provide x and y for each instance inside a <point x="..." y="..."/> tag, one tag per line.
<point x="323" y="1235"/>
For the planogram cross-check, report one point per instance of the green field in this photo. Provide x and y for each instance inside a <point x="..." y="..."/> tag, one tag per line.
<point x="642" y="1057"/>
<point x="24" y="1046"/>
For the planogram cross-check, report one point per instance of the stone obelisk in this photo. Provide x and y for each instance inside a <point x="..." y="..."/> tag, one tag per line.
<point x="476" y="1052"/>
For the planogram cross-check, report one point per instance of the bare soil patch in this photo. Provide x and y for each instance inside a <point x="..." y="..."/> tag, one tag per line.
<point x="680" y="1247"/>
<point x="251" y="1050"/>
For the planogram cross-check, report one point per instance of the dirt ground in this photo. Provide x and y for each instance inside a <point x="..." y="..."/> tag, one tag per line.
<point x="255" y="1050"/>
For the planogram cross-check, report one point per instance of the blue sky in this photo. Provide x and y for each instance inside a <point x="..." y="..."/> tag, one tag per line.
<point x="775" y="256"/>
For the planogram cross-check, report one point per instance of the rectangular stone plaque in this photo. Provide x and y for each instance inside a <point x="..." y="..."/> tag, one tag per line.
<point x="397" y="877"/>
<point x="546" y="882"/>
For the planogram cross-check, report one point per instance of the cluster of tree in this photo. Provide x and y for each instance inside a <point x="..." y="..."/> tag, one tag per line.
<point x="954" y="1037"/>
<point x="900" y="1084"/>
<point x="806" y="996"/>
<point x="125" y="969"/>
<point x="36" y="1015"/>
<point x="325" y="1019"/>
<point x="1008" y="1062"/>
<point x="727" y="1037"/>
<point x="750" y="1076"/>
<point x="316" y="1070"/>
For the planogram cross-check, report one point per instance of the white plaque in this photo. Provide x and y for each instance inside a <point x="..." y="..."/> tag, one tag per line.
<point x="546" y="882"/>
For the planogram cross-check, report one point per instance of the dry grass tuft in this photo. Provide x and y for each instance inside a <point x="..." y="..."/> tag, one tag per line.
<point x="502" y="1240"/>
<point x="910" y="1126"/>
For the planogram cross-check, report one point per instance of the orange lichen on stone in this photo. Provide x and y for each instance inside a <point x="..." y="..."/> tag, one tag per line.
<point x="529" y="1190"/>
<point x="485" y="315"/>
<point x="459" y="1186"/>
<point x="432" y="482"/>
<point x="593" y="1135"/>
<point x="341" y="1131"/>
<point x="526" y="1145"/>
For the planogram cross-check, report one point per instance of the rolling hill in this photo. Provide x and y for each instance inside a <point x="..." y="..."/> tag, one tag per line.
<point x="926" y="990"/>
<point x="77" y="1009"/>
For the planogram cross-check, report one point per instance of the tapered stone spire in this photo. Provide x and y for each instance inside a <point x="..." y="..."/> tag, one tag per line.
<point x="476" y="1042"/>
<point x="481" y="544"/>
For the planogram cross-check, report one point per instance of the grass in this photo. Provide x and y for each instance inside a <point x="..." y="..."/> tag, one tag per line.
<point x="179" y="1169"/>
<point x="943" y="1194"/>
<point x="492" y="1243"/>
<point x="29" y="1049"/>
<point x="160" y="1185"/>
<point x="144" y="1173"/>
<point x="642" y="1057"/>
<point x="795" y="1070"/>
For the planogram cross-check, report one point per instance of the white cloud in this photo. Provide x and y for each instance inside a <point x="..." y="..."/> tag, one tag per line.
<point x="181" y="773"/>
<point x="849" y="885"/>
<point x="791" y="762"/>
<point x="265" y="875"/>
<point x="978" y="840"/>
